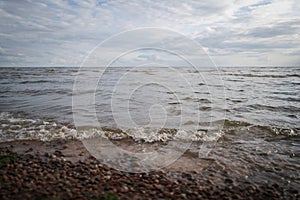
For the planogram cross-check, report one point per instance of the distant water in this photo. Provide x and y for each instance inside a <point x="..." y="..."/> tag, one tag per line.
<point x="267" y="96"/>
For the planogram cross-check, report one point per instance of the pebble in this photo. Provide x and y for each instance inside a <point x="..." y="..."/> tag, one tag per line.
<point x="228" y="181"/>
<point x="125" y="189"/>
<point x="31" y="177"/>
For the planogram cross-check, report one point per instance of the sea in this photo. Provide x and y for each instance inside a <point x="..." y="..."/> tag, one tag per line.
<point x="244" y="117"/>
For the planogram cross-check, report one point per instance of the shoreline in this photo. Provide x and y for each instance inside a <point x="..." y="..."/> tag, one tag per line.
<point x="65" y="170"/>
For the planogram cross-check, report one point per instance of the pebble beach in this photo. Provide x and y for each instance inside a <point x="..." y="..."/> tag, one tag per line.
<point x="65" y="170"/>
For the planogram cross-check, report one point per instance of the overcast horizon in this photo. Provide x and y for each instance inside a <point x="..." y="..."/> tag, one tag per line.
<point x="234" y="33"/>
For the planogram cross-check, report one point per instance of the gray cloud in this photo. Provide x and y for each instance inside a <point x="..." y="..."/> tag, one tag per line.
<point x="62" y="32"/>
<point x="272" y="30"/>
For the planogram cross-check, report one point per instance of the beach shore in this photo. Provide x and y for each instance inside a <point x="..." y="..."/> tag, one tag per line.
<point x="65" y="170"/>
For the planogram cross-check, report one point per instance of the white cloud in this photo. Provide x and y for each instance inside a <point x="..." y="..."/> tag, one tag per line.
<point x="234" y="32"/>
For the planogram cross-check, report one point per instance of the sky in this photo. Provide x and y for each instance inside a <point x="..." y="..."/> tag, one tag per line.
<point x="232" y="32"/>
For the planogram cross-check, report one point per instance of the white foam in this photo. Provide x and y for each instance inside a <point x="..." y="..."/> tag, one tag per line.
<point x="197" y="136"/>
<point x="288" y="132"/>
<point x="148" y="135"/>
<point x="21" y="128"/>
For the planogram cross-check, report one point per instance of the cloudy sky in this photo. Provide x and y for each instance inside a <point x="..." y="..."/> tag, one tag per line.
<point x="232" y="32"/>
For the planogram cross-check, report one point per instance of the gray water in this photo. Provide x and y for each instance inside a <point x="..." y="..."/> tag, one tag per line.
<point x="156" y="97"/>
<point x="267" y="96"/>
<point x="249" y="116"/>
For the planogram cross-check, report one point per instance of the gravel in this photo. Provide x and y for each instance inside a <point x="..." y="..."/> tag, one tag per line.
<point x="52" y="176"/>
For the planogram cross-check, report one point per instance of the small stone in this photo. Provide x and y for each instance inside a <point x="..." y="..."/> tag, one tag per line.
<point x="228" y="181"/>
<point x="125" y="189"/>
<point x="46" y="154"/>
<point x="183" y="196"/>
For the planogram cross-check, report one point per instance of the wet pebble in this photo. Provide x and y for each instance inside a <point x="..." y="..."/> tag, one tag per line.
<point x="32" y="177"/>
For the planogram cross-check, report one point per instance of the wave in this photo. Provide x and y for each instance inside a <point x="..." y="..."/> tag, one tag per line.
<point x="265" y="75"/>
<point x="21" y="127"/>
<point x="289" y="109"/>
<point x="37" y="81"/>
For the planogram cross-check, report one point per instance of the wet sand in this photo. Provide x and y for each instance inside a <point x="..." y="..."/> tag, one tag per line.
<point x="66" y="170"/>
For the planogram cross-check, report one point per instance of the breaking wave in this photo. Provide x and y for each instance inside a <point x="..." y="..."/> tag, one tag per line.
<point x="20" y="127"/>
